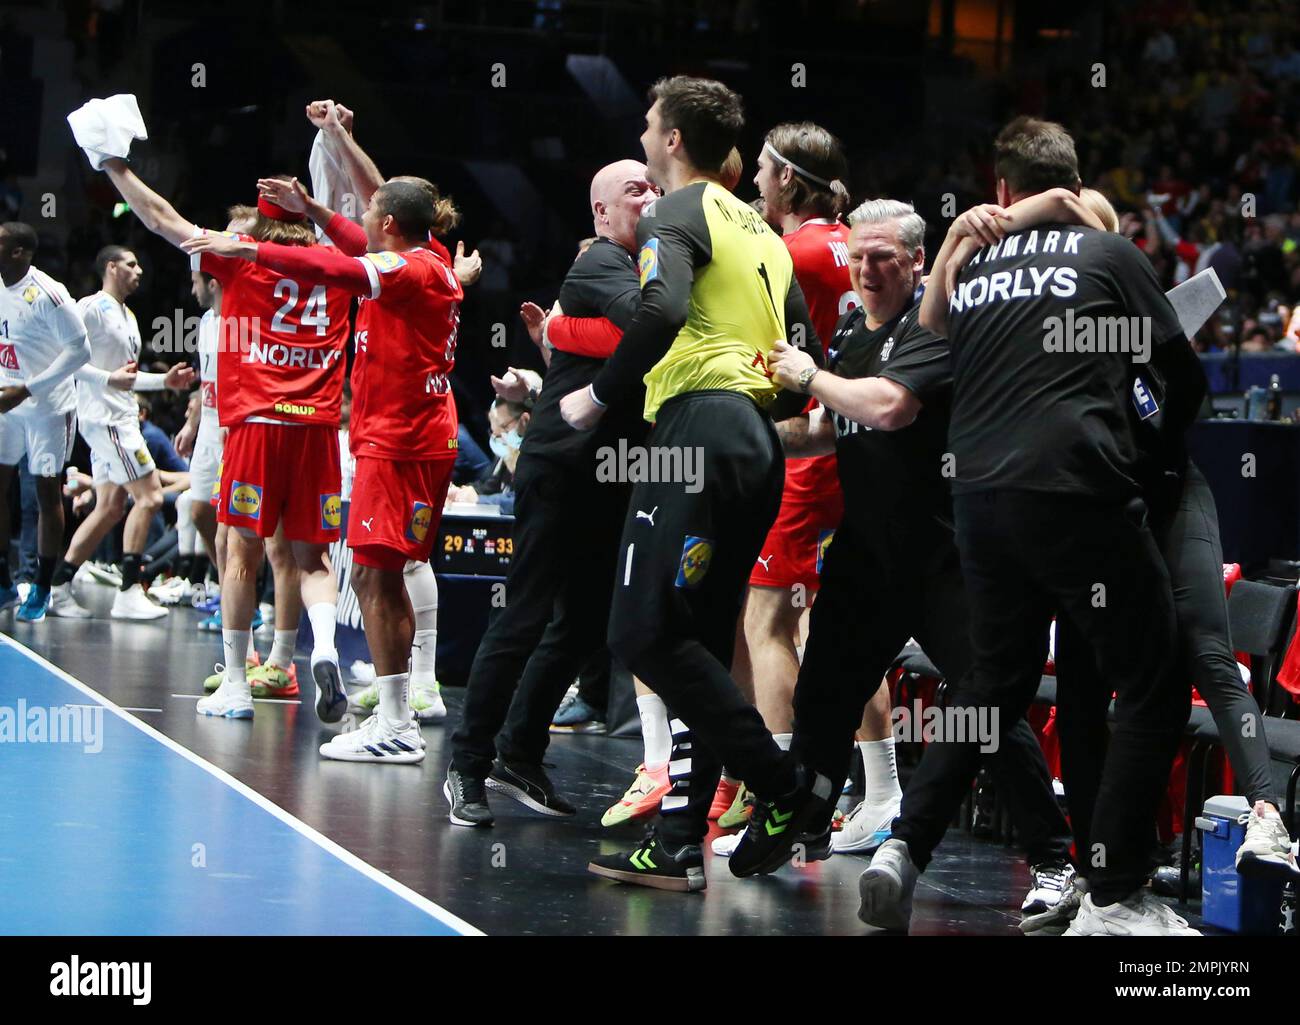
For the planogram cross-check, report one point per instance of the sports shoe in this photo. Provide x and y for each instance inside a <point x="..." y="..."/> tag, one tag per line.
<point x="530" y="786"/>
<point x="885" y="889"/>
<point x="212" y="682"/>
<point x="266" y="613"/>
<point x="1053" y="882"/>
<point x="642" y="797"/>
<point x="653" y="864"/>
<point x="576" y="716"/>
<point x="172" y="591"/>
<point x="426" y="702"/>
<point x="365" y="700"/>
<point x="814" y="848"/>
<point x="777" y="825"/>
<point x="268" y="681"/>
<point x="1138" y="914"/>
<point x="742" y="807"/>
<point x="723" y="798"/>
<point x="1267" y="846"/>
<point x="1056" y="919"/>
<point x="377" y="740"/>
<point x="212" y="624"/>
<point x="63" y="605"/>
<point x="133" y="603"/>
<point x="468" y="799"/>
<point x="865" y="828"/>
<point x="9" y="596"/>
<point x="331" y="697"/>
<point x="229" y="701"/>
<point x="104" y="573"/>
<point x="207" y="598"/>
<point x="34" y="605"/>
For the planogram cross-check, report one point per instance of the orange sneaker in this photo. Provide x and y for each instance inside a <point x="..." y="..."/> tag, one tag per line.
<point x="268" y="681"/>
<point x="722" y="799"/>
<point x="642" y="797"/>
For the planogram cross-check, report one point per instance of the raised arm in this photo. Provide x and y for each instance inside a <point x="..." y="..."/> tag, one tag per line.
<point x="329" y="117"/>
<point x="155" y="213"/>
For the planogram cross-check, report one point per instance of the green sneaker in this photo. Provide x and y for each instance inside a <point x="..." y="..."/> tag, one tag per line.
<point x="741" y="808"/>
<point x="426" y="702"/>
<point x="214" y="681"/>
<point x="365" y="700"/>
<point x="268" y="681"/>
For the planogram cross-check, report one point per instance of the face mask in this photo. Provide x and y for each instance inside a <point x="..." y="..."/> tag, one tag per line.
<point x="498" y="446"/>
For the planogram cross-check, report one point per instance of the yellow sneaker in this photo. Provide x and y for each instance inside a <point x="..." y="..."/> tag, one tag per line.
<point x="741" y="808"/>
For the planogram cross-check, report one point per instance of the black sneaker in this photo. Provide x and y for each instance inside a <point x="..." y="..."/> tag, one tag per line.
<point x="468" y="800"/>
<point x="814" y="847"/>
<point x="653" y="864"/>
<point x="776" y="826"/>
<point x="530" y="786"/>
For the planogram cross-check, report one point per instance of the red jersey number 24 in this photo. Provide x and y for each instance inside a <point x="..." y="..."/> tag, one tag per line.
<point x="314" y="313"/>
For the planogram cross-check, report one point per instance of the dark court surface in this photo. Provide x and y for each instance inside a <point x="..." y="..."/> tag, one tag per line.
<point x="527" y="875"/>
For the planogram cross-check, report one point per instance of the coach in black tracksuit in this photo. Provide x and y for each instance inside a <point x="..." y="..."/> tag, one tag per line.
<point x="567" y="526"/>
<point x="892" y="571"/>
<point x="1048" y="509"/>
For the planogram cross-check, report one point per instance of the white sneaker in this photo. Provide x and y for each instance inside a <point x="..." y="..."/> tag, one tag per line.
<point x="229" y="701"/>
<point x="377" y="740"/>
<point x="723" y="846"/>
<point x="886" y="888"/>
<point x="426" y="702"/>
<point x="133" y="603"/>
<point x="65" y="606"/>
<point x="1267" y="842"/>
<point x="1052" y="901"/>
<point x="172" y="591"/>
<point x="104" y="572"/>
<point x="866" y="827"/>
<point x="1138" y="914"/>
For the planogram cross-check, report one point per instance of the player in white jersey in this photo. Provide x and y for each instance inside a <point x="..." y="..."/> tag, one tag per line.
<point x="109" y="418"/>
<point x="42" y="342"/>
<point x="202" y="437"/>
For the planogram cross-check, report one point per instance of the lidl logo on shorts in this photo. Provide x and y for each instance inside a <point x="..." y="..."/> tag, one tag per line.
<point x="386" y="261"/>
<point x="648" y="264"/>
<point x="697" y="553"/>
<point x="823" y="542"/>
<point x="331" y="511"/>
<point x="142" y="456"/>
<point x="421" y="517"/>
<point x="245" y="499"/>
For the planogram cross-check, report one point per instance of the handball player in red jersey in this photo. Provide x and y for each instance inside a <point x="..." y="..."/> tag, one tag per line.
<point x="279" y="389"/>
<point x="403" y="428"/>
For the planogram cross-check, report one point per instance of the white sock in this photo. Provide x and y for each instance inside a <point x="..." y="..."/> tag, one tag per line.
<point x="655" y="734"/>
<point x="394" y="698"/>
<point x="235" y="645"/>
<point x="252" y="651"/>
<point x="321" y="616"/>
<point x="422" y="587"/>
<point x="783" y="740"/>
<point x="282" y="648"/>
<point x="880" y="772"/>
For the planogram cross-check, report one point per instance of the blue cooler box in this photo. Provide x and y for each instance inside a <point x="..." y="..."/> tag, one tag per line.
<point x="1229" y="901"/>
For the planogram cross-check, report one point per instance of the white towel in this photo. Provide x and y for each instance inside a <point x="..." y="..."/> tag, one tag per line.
<point x="106" y="128"/>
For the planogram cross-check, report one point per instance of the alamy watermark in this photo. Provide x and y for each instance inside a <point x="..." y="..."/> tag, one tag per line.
<point x="1089" y="334"/>
<point x="935" y="724"/>
<point x="656" y="464"/>
<point x="65" y="724"/>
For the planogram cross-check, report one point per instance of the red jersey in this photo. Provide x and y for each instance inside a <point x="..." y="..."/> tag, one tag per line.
<point x="281" y="344"/>
<point x="820" y="251"/>
<point x="402" y="406"/>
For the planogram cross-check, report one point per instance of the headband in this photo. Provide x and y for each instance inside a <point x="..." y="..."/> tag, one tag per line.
<point x="796" y="168"/>
<point x="275" y="211"/>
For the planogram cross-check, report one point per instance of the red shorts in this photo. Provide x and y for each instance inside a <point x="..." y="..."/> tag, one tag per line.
<point x="396" y="508"/>
<point x="273" y="473"/>
<point x="792" y="553"/>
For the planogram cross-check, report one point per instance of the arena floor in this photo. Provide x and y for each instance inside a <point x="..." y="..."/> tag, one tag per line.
<point x="187" y="825"/>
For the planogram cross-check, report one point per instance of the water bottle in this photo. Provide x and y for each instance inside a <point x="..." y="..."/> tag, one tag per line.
<point x="1273" y="407"/>
<point x="1255" y="401"/>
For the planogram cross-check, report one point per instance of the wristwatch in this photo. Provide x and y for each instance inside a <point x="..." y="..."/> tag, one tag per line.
<point x="806" y="376"/>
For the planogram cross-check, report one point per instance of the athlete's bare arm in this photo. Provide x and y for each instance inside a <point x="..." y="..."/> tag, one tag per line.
<point x="329" y="117"/>
<point x="155" y="213"/>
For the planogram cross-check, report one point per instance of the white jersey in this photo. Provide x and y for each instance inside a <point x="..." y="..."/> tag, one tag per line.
<point x="114" y="338"/>
<point x="42" y="342"/>
<point x="209" y="335"/>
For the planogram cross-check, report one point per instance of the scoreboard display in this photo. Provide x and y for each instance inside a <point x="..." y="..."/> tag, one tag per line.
<point x="475" y="542"/>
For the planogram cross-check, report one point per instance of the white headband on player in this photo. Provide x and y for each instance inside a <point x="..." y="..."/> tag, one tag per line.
<point x="796" y="168"/>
